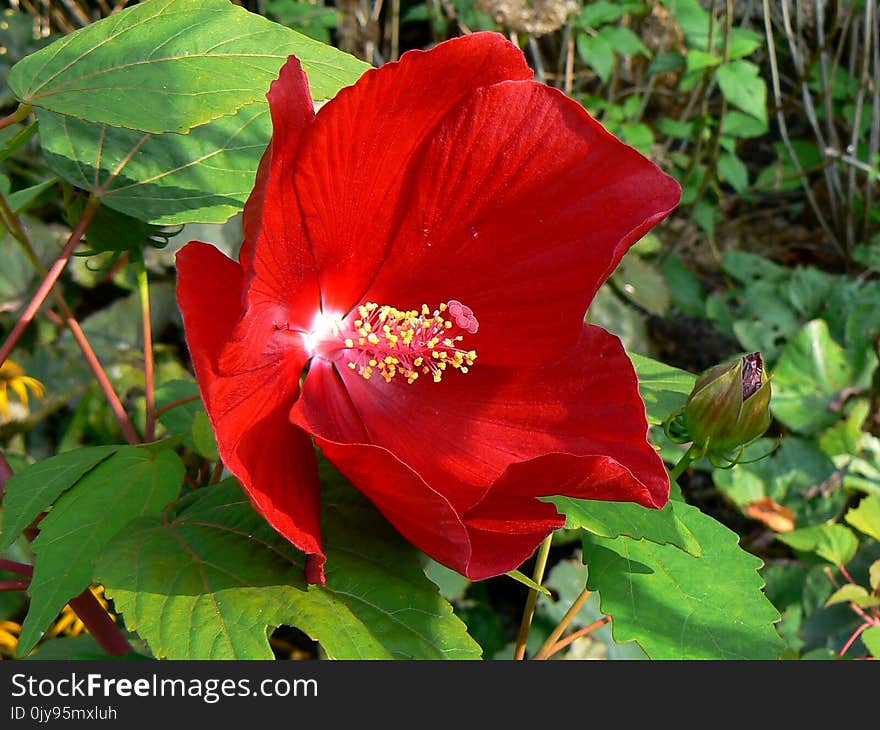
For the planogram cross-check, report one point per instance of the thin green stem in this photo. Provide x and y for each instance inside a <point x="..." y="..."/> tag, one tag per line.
<point x="529" y="610"/>
<point x="686" y="460"/>
<point x="18" y="115"/>
<point x="149" y="367"/>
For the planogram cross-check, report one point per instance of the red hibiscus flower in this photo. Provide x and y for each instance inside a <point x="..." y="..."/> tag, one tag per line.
<point x="425" y="249"/>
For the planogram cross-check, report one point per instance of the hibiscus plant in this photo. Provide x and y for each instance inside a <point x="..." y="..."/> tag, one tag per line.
<point x="383" y="382"/>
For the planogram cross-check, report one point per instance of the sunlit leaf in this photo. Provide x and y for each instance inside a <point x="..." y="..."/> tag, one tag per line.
<point x="34" y="489"/>
<point x="836" y="543"/>
<point x="171" y="65"/>
<point x="211" y="581"/>
<point x="131" y="483"/>
<point x="674" y="605"/>
<point x="612" y="519"/>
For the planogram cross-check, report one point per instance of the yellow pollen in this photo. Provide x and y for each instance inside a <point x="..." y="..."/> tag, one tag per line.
<point x="410" y="343"/>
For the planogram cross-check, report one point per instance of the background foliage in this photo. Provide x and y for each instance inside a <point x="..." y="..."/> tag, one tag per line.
<point x="768" y="115"/>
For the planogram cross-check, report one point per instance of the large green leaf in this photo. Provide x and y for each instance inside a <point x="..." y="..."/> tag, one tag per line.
<point x="663" y="388"/>
<point x="204" y="176"/>
<point x="612" y="519"/>
<point x="36" y="487"/>
<point x="812" y="376"/>
<point x="677" y="606"/>
<point x="131" y="483"/>
<point x="213" y="580"/>
<point x="171" y="65"/>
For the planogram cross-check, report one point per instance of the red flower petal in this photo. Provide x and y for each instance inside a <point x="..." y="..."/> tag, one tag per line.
<point x="456" y="469"/>
<point x="273" y="459"/>
<point x="275" y="249"/>
<point x="494" y="536"/>
<point x="461" y="435"/>
<point x="522" y="206"/>
<point x="351" y="179"/>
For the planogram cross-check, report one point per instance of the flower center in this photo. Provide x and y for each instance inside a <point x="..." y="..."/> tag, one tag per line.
<point x="391" y="342"/>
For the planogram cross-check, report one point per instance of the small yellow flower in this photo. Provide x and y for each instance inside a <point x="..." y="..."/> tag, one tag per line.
<point x="12" y="377"/>
<point x="68" y="623"/>
<point x="9" y="632"/>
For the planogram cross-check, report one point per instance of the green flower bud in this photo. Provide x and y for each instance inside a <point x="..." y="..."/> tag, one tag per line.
<point x="729" y="406"/>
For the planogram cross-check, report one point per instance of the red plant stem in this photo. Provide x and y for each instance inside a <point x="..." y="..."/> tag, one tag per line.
<point x="100" y="374"/>
<point x="13" y="567"/>
<point x="99" y="624"/>
<point x="15" y="225"/>
<point x="149" y="366"/>
<point x="580" y="633"/>
<point x="85" y="605"/>
<point x="14" y="585"/>
<point x="171" y="406"/>
<point x="852" y="638"/>
<point x="49" y="281"/>
<point x="16" y="116"/>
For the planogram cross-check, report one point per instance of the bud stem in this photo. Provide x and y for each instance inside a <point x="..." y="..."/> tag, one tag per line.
<point x="684" y="462"/>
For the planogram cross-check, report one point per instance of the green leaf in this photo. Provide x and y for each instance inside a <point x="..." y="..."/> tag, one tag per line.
<point x="866" y="517"/>
<point x="82" y="648"/>
<point x="694" y="21"/>
<point x="624" y="41"/>
<point x="203" y="437"/>
<point x="183" y="401"/>
<point x="744" y="87"/>
<point x="131" y="483"/>
<point x="598" y="53"/>
<point x="211" y="581"/>
<point x="600" y="12"/>
<point x="17" y="273"/>
<point x="791" y="476"/>
<point x="675" y="128"/>
<point x="871" y="639"/>
<point x="743" y="42"/>
<point x="742" y="126"/>
<point x="171" y="65"/>
<point x="851" y="593"/>
<point x="810" y="377"/>
<point x="835" y="543"/>
<point x="686" y="288"/>
<point x="201" y="177"/>
<point x="21" y="200"/>
<point x="612" y="519"/>
<point x="697" y="60"/>
<point x="35" y="488"/>
<point x="610" y="311"/>
<point x="748" y="267"/>
<point x="733" y="170"/>
<point x="643" y="284"/>
<point x="674" y="604"/>
<point x="664" y="63"/>
<point x="452" y="584"/>
<point x="663" y="388"/>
